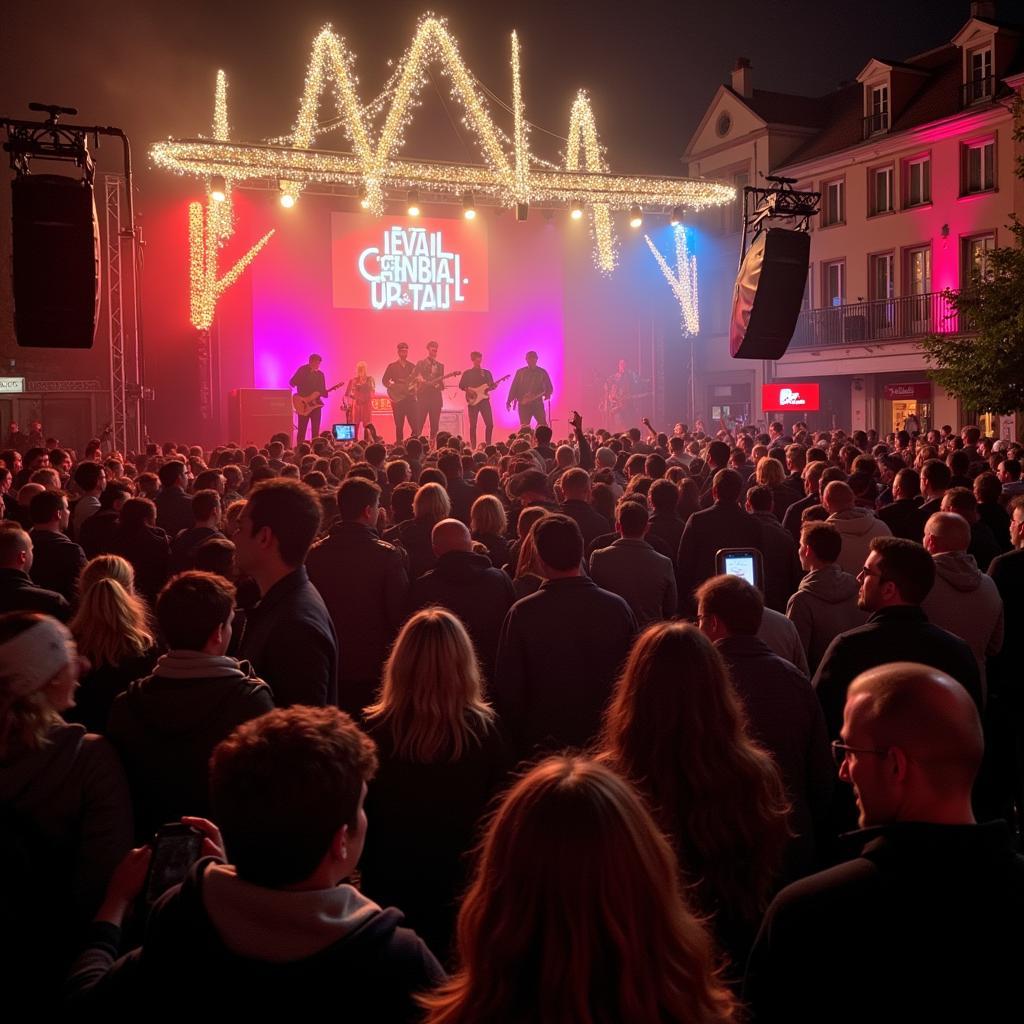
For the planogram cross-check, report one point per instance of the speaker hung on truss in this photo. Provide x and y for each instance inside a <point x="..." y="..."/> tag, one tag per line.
<point x="769" y="289"/>
<point x="55" y="260"/>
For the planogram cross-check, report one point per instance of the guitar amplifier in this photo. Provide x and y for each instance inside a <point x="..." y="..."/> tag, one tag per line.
<point x="256" y="414"/>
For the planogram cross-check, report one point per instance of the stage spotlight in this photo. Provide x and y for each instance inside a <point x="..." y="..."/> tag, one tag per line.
<point x="414" y="203"/>
<point x="468" y="208"/>
<point x="218" y="188"/>
<point x="287" y="200"/>
<point x="364" y="199"/>
<point x="636" y="216"/>
<point x="677" y="216"/>
<point x="576" y="210"/>
<point x="522" y="211"/>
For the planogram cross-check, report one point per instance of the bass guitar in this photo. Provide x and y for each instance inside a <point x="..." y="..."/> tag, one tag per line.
<point x="305" y="404"/>
<point x="474" y="396"/>
<point x="426" y="386"/>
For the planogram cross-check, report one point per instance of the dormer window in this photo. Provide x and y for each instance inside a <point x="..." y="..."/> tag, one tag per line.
<point x="878" y="111"/>
<point x="980" y="84"/>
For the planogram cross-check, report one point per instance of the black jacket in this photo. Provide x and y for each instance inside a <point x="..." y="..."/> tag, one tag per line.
<point x="363" y="582"/>
<point x="901" y="633"/>
<point x="723" y="525"/>
<point x="373" y="970"/>
<point x="591" y="523"/>
<point x="786" y="718"/>
<point x="99" y="687"/>
<point x="1004" y="669"/>
<point x="56" y="562"/>
<point x="480" y="595"/>
<point x="165" y="729"/>
<point x="149" y="552"/>
<point x="19" y="594"/>
<point x="290" y="640"/>
<point x="792" y="521"/>
<point x="923" y="925"/>
<point x="782" y="572"/>
<point x="462" y="495"/>
<point x="904" y="518"/>
<point x="424" y="821"/>
<point x="667" y="527"/>
<point x="561" y="650"/>
<point x="173" y="510"/>
<point x="97" y="533"/>
<point x="183" y="547"/>
<point x="414" y="535"/>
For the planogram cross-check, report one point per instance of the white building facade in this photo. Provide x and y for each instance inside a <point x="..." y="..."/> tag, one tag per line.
<point x="916" y="164"/>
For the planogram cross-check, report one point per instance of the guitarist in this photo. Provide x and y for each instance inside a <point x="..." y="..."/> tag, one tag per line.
<point x="531" y="387"/>
<point x="398" y="379"/>
<point x="474" y="378"/>
<point x="430" y="398"/>
<point x="306" y="380"/>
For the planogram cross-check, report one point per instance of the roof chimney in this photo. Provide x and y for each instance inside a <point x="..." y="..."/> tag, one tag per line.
<point x="741" y="79"/>
<point x="984" y="9"/>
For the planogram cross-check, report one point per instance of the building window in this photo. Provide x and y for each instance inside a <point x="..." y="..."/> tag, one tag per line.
<point x="833" y="210"/>
<point x="878" y="113"/>
<point x="979" y="171"/>
<point x="881" y="197"/>
<point x="919" y="270"/>
<point x="833" y="277"/>
<point x="980" y="81"/>
<point x="977" y="265"/>
<point x="918" y="181"/>
<point x="882" y="281"/>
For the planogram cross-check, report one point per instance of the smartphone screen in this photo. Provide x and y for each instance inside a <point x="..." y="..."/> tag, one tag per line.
<point x="173" y="854"/>
<point x="344" y="431"/>
<point x="742" y="566"/>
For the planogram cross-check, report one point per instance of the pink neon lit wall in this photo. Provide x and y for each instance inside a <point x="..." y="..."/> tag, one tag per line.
<point x="514" y="294"/>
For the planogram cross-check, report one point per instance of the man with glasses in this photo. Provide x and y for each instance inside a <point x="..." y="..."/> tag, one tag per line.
<point x="896" y="577"/>
<point x="925" y="922"/>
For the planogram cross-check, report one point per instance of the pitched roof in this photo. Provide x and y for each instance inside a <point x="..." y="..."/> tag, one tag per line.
<point x="784" y="108"/>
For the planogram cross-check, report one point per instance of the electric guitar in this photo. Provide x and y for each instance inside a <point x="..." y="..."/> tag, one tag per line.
<point x="422" y="386"/>
<point x="305" y="404"/>
<point x="400" y="390"/>
<point x="474" y="396"/>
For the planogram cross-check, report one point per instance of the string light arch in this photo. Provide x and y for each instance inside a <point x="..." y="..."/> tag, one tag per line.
<point x="510" y="175"/>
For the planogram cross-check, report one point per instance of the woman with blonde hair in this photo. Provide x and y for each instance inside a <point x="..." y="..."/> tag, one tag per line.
<point x="575" y="913"/>
<point x="65" y="801"/>
<point x="487" y="524"/>
<point x="360" y="392"/>
<point x="430" y="505"/>
<point x="441" y="761"/>
<point x="770" y="473"/>
<point x="113" y="631"/>
<point x="677" y="729"/>
<point x="527" y="575"/>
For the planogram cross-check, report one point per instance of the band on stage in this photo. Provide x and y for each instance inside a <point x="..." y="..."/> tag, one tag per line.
<point x="416" y="393"/>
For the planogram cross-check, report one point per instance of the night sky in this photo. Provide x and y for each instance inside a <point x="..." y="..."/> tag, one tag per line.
<point x="651" y="68"/>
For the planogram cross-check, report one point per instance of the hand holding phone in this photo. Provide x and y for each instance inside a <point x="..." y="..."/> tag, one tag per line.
<point x="176" y="847"/>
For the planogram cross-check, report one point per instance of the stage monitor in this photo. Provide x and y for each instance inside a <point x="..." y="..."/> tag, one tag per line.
<point x="768" y="293"/>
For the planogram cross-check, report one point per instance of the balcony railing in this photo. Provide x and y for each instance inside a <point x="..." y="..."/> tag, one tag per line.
<point x="897" y="319"/>
<point x="977" y="89"/>
<point x="876" y="123"/>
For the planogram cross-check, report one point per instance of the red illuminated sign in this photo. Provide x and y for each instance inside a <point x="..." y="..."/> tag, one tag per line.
<point x="789" y="397"/>
<point x="422" y="265"/>
<point x="921" y="392"/>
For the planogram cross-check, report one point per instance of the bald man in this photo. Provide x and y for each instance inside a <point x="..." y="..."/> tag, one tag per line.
<point x="858" y="526"/>
<point x="467" y="584"/>
<point x="17" y="591"/>
<point x="925" y="922"/>
<point x="963" y="600"/>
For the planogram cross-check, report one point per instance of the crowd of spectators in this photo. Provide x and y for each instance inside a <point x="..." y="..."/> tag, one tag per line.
<point x="466" y="735"/>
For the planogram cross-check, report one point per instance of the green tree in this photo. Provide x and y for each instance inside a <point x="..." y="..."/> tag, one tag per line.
<point x="982" y="364"/>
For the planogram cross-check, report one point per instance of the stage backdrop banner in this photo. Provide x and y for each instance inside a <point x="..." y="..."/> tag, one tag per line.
<point x="802" y="397"/>
<point x="423" y="266"/>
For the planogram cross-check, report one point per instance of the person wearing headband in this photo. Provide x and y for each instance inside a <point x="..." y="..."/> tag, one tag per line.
<point x="64" y="800"/>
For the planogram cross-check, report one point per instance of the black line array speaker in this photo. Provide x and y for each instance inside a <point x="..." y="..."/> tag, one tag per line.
<point x="769" y="289"/>
<point x="55" y="260"/>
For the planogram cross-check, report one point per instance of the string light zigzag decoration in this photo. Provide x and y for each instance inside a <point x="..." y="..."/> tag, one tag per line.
<point x="373" y="167"/>
<point x="208" y="231"/>
<point x="682" y="281"/>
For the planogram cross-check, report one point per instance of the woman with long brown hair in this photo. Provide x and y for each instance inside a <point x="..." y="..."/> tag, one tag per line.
<point x="575" y="914"/>
<point x="441" y="760"/>
<point x="677" y="729"/>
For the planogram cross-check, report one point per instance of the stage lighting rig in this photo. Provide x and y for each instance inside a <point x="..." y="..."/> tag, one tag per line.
<point x="218" y="188"/>
<point x="468" y="206"/>
<point x="636" y="216"/>
<point x="576" y="210"/>
<point x="413" y="208"/>
<point x="677" y="216"/>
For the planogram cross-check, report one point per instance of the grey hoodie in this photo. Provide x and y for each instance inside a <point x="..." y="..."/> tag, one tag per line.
<point x="966" y="602"/>
<point x="859" y="527"/>
<point x="824" y="606"/>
